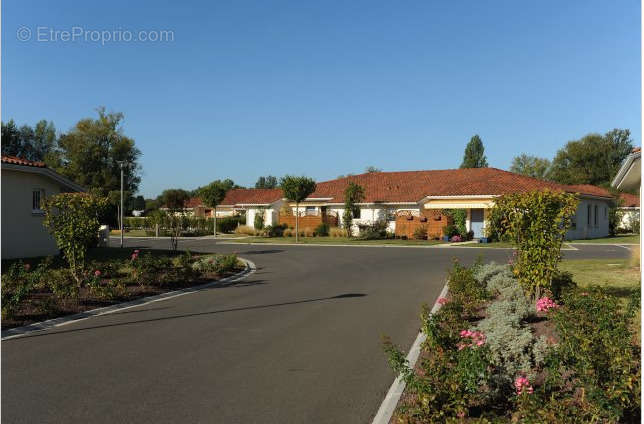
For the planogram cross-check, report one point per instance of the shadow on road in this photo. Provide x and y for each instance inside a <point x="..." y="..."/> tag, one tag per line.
<point x="220" y="311"/>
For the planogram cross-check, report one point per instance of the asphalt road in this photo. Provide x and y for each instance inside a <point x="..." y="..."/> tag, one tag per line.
<point x="299" y="341"/>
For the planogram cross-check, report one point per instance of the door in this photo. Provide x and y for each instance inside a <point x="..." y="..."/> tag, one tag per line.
<point x="476" y="222"/>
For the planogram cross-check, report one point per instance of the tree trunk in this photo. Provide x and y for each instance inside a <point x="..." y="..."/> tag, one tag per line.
<point x="297" y="222"/>
<point x="214" y="218"/>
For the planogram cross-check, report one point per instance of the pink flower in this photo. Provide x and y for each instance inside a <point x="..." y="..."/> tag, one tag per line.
<point x="442" y="300"/>
<point x="97" y="273"/>
<point x="522" y="385"/>
<point x="134" y="256"/>
<point x="136" y="251"/>
<point x="27" y="267"/>
<point x="476" y="338"/>
<point x="545" y="304"/>
<point x="460" y="414"/>
<point x="584" y="294"/>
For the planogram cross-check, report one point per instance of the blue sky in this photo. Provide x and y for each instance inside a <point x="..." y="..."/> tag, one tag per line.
<point x="250" y="88"/>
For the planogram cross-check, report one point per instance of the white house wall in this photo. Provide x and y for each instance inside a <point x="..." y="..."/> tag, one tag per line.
<point x="23" y="234"/>
<point x="583" y="230"/>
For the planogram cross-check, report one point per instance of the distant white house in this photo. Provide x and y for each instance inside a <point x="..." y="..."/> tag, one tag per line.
<point x="25" y="185"/>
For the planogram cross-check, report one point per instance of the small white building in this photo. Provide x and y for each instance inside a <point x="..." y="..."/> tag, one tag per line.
<point x="25" y="185"/>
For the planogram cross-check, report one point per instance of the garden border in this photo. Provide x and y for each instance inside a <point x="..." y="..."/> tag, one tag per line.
<point x="64" y="320"/>
<point x="389" y="403"/>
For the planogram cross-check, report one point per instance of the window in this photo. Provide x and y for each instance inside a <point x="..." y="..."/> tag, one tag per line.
<point x="605" y="212"/>
<point x="310" y="211"/>
<point x="596" y="223"/>
<point x="573" y="222"/>
<point x="356" y="212"/>
<point x="589" y="211"/>
<point x="37" y="197"/>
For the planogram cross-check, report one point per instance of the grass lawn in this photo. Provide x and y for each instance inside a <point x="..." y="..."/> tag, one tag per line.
<point x="619" y="276"/>
<point x="618" y="239"/>
<point x="338" y="240"/>
<point x="130" y="233"/>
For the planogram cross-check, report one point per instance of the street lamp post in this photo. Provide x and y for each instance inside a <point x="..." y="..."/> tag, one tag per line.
<point x="121" y="163"/>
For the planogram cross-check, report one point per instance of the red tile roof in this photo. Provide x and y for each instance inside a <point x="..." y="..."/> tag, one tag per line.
<point x="18" y="161"/>
<point x="412" y="186"/>
<point x="630" y="200"/>
<point x="636" y="149"/>
<point x="587" y="189"/>
<point x="193" y="202"/>
<point x="241" y="196"/>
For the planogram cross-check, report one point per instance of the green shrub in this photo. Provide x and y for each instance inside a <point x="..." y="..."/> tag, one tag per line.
<point x="464" y="288"/>
<point x="485" y="272"/>
<point x="420" y="233"/>
<point x="259" y="220"/>
<point x="450" y="230"/>
<point x="147" y="268"/>
<point x="537" y="221"/>
<point x="322" y="230"/>
<point x="72" y="218"/>
<point x="596" y="353"/>
<point x="374" y="231"/>
<point x="227" y="263"/>
<point x="275" y="230"/>
<point x="458" y="218"/>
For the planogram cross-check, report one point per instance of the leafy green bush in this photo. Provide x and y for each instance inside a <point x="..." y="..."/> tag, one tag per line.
<point x="374" y="231"/>
<point x="217" y="263"/>
<point x="450" y="230"/>
<point x="457" y="218"/>
<point x="464" y="288"/>
<point x="537" y="221"/>
<point x="420" y="233"/>
<point x="72" y="218"/>
<point x="259" y="220"/>
<point x="596" y="353"/>
<point x="17" y="285"/>
<point x="147" y="268"/>
<point x="275" y="230"/>
<point x="322" y="230"/>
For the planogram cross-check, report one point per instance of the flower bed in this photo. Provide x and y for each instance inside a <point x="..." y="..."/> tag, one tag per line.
<point x="492" y="354"/>
<point x="40" y="289"/>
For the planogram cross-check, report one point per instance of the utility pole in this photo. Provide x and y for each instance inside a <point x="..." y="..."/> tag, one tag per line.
<point x="121" y="163"/>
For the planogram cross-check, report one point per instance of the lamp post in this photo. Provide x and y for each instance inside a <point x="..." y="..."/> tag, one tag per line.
<point x="121" y="164"/>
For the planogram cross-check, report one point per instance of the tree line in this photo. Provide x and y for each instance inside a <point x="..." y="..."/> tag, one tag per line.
<point x="593" y="159"/>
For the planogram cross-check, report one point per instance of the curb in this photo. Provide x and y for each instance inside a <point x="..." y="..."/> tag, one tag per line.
<point x="389" y="403"/>
<point x="431" y="246"/>
<point x="57" y="322"/>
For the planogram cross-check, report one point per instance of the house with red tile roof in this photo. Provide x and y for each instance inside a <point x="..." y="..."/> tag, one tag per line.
<point x="25" y="186"/>
<point x="388" y="194"/>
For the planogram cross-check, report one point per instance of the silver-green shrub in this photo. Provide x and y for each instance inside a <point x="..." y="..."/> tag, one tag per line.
<point x="485" y="272"/>
<point x="500" y="281"/>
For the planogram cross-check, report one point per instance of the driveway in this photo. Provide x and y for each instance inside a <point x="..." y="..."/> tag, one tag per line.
<point x="299" y="341"/>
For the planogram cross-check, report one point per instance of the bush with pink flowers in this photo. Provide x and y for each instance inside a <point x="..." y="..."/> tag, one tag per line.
<point x="509" y="358"/>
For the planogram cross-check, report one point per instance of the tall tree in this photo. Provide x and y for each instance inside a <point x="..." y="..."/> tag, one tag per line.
<point x="370" y="169"/>
<point x="532" y="166"/>
<point x="296" y="189"/>
<point x="212" y="195"/>
<point x="139" y="203"/>
<point x="266" y="182"/>
<point x="594" y="159"/>
<point x="353" y="194"/>
<point x="474" y="156"/>
<point x="29" y="143"/>
<point x="89" y="154"/>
